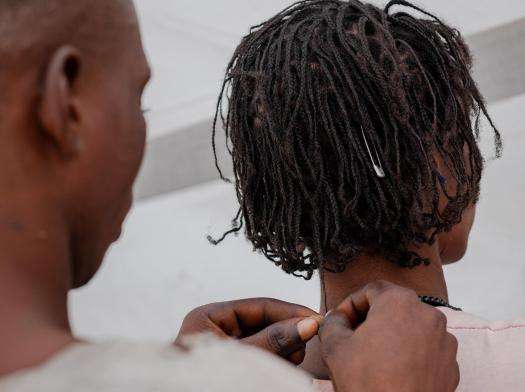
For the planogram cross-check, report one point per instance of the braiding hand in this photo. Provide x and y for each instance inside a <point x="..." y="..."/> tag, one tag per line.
<point x="279" y="327"/>
<point x="382" y="338"/>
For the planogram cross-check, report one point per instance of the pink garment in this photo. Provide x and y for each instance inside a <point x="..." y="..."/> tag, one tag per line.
<point x="491" y="355"/>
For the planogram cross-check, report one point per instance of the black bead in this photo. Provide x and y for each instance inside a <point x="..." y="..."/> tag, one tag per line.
<point x="437" y="302"/>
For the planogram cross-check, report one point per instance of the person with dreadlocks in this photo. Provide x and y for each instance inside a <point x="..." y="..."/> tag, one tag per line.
<point x="353" y="132"/>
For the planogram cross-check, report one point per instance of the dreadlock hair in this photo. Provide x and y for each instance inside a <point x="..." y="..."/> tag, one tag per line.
<point x="310" y="94"/>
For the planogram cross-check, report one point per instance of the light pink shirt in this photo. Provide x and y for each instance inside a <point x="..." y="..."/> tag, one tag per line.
<point x="491" y="355"/>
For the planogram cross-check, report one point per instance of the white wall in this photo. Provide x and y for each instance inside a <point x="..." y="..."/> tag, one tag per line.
<point x="163" y="266"/>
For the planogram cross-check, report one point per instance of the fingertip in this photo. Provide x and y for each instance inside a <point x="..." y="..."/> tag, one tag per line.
<point x="308" y="328"/>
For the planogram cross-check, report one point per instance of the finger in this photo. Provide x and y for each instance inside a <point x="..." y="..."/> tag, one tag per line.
<point x="357" y="305"/>
<point x="333" y="332"/>
<point x="258" y="313"/>
<point x="365" y="297"/>
<point x="453" y="352"/>
<point x="285" y="337"/>
<point x="198" y="321"/>
<point x="453" y="342"/>
<point x="335" y="325"/>
<point x="456" y="377"/>
<point x="297" y="357"/>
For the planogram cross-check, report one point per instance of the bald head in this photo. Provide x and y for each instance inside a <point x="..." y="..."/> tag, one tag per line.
<point x="32" y="29"/>
<point x="72" y="76"/>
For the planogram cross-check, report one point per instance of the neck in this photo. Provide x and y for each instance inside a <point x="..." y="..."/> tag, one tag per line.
<point x="34" y="282"/>
<point x="425" y="280"/>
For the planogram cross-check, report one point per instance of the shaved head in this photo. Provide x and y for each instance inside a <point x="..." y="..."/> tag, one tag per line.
<point x="72" y="77"/>
<point x="32" y="29"/>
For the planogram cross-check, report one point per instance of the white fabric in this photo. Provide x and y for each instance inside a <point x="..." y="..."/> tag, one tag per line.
<point x="210" y="365"/>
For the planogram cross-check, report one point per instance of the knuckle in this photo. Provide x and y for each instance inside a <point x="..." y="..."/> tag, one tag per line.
<point x="196" y="313"/>
<point x="195" y="321"/>
<point x="383" y="283"/>
<point x="265" y="300"/>
<point x="211" y="308"/>
<point x="410" y="293"/>
<point x="385" y="286"/>
<point x="379" y="285"/>
<point x="438" y="318"/>
<point x="204" y="312"/>
<point x="270" y="301"/>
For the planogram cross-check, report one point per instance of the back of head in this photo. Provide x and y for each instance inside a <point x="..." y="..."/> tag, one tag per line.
<point x="353" y="130"/>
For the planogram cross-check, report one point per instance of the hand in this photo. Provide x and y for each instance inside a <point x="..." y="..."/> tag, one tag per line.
<point x="383" y="338"/>
<point x="275" y="326"/>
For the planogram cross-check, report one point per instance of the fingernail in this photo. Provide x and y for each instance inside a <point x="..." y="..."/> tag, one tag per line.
<point x="307" y="328"/>
<point x="318" y="318"/>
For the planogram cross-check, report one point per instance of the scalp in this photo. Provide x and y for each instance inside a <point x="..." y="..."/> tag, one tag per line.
<point x="31" y="29"/>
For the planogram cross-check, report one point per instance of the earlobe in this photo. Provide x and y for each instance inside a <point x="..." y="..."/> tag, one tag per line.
<point x="58" y="111"/>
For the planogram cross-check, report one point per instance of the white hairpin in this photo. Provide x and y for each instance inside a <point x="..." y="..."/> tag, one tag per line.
<point x="378" y="167"/>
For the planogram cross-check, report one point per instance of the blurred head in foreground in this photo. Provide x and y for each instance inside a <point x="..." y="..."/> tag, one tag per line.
<point x="72" y="76"/>
<point x="353" y="131"/>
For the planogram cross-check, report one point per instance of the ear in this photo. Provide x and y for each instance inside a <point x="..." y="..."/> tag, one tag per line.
<point x="58" y="112"/>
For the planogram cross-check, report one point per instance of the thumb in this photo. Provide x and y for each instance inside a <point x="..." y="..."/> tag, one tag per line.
<point x="335" y="327"/>
<point x="285" y="337"/>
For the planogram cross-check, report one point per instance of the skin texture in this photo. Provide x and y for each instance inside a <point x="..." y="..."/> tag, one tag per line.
<point x="380" y="338"/>
<point x="74" y="137"/>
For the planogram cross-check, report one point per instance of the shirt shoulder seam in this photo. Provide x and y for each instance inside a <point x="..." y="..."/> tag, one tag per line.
<point x="520" y="326"/>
